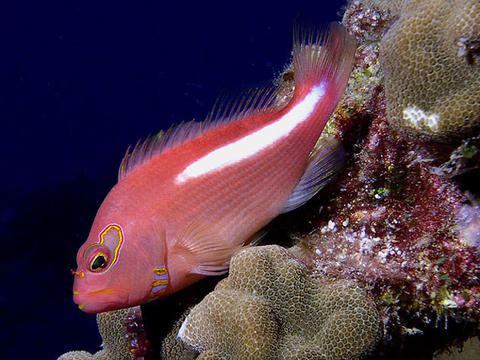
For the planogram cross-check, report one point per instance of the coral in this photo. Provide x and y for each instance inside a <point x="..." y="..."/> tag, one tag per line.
<point x="395" y="226"/>
<point x="393" y="221"/>
<point x="76" y="355"/>
<point x="123" y="337"/>
<point x="431" y="60"/>
<point x="269" y="307"/>
<point x="174" y="349"/>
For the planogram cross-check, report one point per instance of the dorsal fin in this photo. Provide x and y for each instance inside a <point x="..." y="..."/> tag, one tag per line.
<point x="224" y="111"/>
<point x="228" y="108"/>
<point x="144" y="151"/>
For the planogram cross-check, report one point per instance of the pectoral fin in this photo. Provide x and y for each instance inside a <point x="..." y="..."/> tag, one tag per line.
<point x="207" y="252"/>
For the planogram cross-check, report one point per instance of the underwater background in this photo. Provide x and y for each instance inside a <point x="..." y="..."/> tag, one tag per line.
<point x="79" y="83"/>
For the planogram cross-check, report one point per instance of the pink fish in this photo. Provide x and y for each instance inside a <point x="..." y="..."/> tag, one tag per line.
<point x="188" y="199"/>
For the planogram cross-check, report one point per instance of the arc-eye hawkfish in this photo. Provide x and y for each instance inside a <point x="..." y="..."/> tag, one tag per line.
<point x="187" y="200"/>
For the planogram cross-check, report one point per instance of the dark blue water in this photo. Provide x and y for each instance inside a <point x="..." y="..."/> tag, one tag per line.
<point x="79" y="82"/>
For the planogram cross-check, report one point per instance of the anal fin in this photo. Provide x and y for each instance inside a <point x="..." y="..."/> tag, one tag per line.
<point x="324" y="163"/>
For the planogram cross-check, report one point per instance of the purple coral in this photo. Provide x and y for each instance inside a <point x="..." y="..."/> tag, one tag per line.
<point x="468" y="225"/>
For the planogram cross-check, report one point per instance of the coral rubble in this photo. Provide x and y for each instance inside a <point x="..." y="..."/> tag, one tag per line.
<point x="269" y="307"/>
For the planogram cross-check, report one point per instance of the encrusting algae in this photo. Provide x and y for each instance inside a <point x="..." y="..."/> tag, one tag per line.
<point x="397" y="233"/>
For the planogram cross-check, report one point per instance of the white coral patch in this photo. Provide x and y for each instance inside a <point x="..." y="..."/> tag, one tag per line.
<point x="419" y="118"/>
<point x="181" y="333"/>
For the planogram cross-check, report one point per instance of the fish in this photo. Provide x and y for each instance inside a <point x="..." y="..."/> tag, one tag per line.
<point x="187" y="199"/>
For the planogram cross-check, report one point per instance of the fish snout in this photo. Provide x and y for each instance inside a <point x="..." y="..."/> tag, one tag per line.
<point x="100" y="300"/>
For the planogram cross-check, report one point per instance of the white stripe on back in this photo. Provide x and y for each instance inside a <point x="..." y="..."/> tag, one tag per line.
<point x="255" y="142"/>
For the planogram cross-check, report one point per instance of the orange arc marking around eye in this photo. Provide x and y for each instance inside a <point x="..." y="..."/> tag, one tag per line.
<point x="121" y="238"/>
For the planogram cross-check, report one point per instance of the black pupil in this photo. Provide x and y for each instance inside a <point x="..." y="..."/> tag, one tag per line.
<point x="99" y="262"/>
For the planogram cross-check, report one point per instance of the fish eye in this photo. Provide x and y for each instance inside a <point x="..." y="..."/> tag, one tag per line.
<point x="98" y="261"/>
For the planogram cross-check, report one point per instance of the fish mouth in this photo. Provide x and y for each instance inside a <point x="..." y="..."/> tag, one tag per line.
<point x="101" y="300"/>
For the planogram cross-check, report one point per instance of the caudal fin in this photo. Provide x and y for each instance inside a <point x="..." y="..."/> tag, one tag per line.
<point x="323" y="58"/>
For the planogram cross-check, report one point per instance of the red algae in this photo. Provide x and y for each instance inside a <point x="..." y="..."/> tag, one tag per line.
<point x="139" y="345"/>
<point x="392" y="223"/>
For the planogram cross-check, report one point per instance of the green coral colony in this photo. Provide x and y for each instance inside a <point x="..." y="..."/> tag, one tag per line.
<point x="392" y="249"/>
<point x="270" y="308"/>
<point x="431" y="60"/>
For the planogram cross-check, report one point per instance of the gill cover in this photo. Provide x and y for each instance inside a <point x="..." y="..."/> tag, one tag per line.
<point x="103" y="255"/>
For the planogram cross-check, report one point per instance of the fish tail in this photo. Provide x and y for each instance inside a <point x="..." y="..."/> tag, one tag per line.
<point x="323" y="59"/>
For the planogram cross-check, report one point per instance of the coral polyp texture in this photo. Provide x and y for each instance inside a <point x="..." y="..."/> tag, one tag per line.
<point x="122" y="334"/>
<point x="431" y="60"/>
<point x="270" y="307"/>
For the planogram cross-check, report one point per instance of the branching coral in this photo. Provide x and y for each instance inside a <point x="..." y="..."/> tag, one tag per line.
<point x="122" y="334"/>
<point x="270" y="308"/>
<point x="431" y="61"/>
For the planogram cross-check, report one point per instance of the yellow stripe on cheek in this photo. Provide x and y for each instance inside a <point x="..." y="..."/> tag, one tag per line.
<point x="159" y="282"/>
<point x="160" y="271"/>
<point x="102" y="291"/>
